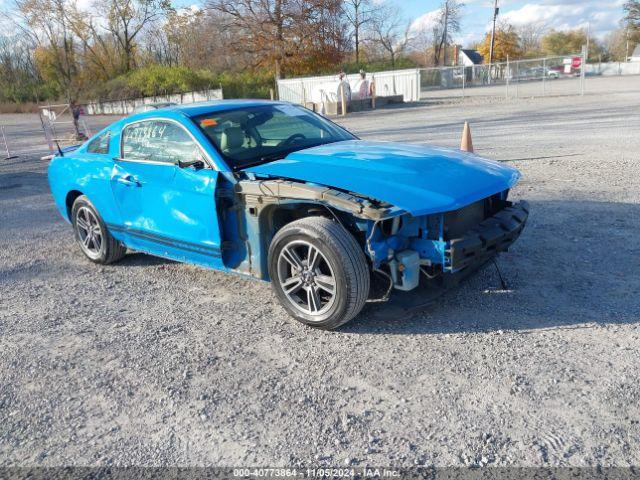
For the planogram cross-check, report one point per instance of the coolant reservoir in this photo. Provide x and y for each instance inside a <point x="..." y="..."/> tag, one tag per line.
<point x="408" y="264"/>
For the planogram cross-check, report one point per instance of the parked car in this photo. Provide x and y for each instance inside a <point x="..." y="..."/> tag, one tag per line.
<point x="536" y="73"/>
<point x="553" y="73"/>
<point x="276" y="192"/>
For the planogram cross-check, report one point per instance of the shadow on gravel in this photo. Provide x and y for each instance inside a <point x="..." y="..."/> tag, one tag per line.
<point x="137" y="259"/>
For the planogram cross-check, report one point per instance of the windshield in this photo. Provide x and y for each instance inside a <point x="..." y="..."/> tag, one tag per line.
<point x="254" y="135"/>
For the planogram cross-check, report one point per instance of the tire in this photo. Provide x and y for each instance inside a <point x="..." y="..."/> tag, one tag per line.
<point x="337" y="255"/>
<point x="101" y="248"/>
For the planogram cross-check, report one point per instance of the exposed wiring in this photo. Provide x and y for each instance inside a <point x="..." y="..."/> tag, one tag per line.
<point x="387" y="294"/>
<point x="370" y="250"/>
<point x="429" y="275"/>
<point x="372" y="254"/>
<point x="332" y="213"/>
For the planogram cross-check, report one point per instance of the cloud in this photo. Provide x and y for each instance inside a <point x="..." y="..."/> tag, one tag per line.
<point x="426" y="21"/>
<point x="568" y="14"/>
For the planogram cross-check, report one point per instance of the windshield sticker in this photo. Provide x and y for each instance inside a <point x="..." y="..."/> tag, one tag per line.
<point x="208" y="122"/>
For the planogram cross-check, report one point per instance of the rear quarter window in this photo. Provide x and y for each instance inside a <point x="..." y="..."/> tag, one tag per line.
<point x="100" y="144"/>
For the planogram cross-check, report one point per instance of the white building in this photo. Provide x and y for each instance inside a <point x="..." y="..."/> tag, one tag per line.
<point x="469" y="58"/>
<point x="635" y="56"/>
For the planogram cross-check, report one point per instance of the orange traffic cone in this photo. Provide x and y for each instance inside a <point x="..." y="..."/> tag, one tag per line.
<point x="466" y="145"/>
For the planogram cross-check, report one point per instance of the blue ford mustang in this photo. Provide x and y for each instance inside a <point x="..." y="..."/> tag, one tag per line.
<point x="276" y="192"/>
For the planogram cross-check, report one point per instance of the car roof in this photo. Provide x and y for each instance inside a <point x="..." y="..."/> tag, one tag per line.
<point x="202" y="108"/>
<point x="199" y="108"/>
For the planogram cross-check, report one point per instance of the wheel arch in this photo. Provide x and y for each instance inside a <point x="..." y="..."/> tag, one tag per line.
<point x="274" y="217"/>
<point x="70" y="198"/>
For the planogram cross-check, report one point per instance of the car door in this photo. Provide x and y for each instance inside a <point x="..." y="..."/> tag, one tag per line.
<point x="166" y="210"/>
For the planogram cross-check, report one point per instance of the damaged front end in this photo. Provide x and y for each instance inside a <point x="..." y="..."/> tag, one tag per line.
<point x="444" y="243"/>
<point x="399" y="245"/>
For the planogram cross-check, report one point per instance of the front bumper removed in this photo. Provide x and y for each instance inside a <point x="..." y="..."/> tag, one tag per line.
<point x="491" y="236"/>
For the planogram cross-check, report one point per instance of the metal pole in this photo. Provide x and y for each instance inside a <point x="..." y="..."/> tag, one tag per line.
<point x="4" y="139"/>
<point x="493" y="36"/>
<point x="586" y="58"/>
<point x="6" y="145"/>
<point x="464" y="78"/>
<point x="446" y="24"/>
<point x="507" y="79"/>
<point x="544" y="77"/>
<point x="582" y="70"/>
<point x="518" y="79"/>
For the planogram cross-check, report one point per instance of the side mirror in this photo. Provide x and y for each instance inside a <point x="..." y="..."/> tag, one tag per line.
<point x="196" y="164"/>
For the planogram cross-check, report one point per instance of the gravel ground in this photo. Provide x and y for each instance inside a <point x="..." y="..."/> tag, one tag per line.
<point x="150" y="362"/>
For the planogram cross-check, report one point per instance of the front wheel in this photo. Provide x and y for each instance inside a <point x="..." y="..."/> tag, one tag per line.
<point x="319" y="272"/>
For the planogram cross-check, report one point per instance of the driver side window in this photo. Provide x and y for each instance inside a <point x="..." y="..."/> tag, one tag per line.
<point x="158" y="141"/>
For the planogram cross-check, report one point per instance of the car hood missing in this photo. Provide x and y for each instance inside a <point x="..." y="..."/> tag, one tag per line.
<point x="418" y="179"/>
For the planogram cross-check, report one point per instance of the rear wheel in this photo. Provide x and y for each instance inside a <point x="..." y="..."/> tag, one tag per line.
<point x="92" y="235"/>
<point x="319" y="272"/>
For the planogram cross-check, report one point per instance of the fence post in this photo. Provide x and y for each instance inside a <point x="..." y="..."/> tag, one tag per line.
<point x="464" y="78"/>
<point x="517" y="79"/>
<point x="272" y="94"/>
<point x="507" y="79"/>
<point x="343" y="99"/>
<point x="583" y="68"/>
<point x="544" y="77"/>
<point x="373" y="93"/>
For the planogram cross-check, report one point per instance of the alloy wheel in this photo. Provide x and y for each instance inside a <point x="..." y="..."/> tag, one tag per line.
<point x="89" y="232"/>
<point x="306" y="278"/>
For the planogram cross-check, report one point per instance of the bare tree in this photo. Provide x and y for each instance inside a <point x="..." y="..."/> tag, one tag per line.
<point x="45" y="23"/>
<point x="389" y="33"/>
<point x="263" y="24"/>
<point x="449" y="25"/>
<point x="359" y="13"/>
<point x="18" y="69"/>
<point x="530" y="36"/>
<point x="126" y="19"/>
<point x="275" y="31"/>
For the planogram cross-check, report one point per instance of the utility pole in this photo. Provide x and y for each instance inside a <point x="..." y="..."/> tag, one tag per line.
<point x="357" y="30"/>
<point x="493" y="30"/>
<point x="446" y="25"/>
<point x="588" y="33"/>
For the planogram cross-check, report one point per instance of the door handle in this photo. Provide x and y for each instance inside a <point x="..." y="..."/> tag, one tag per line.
<point x="129" y="180"/>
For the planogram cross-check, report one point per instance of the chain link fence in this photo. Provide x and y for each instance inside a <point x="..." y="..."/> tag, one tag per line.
<point x="523" y="78"/>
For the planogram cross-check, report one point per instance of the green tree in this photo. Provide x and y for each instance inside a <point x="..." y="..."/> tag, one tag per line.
<point x="570" y="42"/>
<point x="632" y="13"/>
<point x="631" y="23"/>
<point x="506" y="44"/>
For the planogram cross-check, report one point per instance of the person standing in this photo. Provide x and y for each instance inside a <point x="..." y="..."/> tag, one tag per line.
<point x="76" y="110"/>
<point x="344" y="85"/>
<point x="364" y="86"/>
